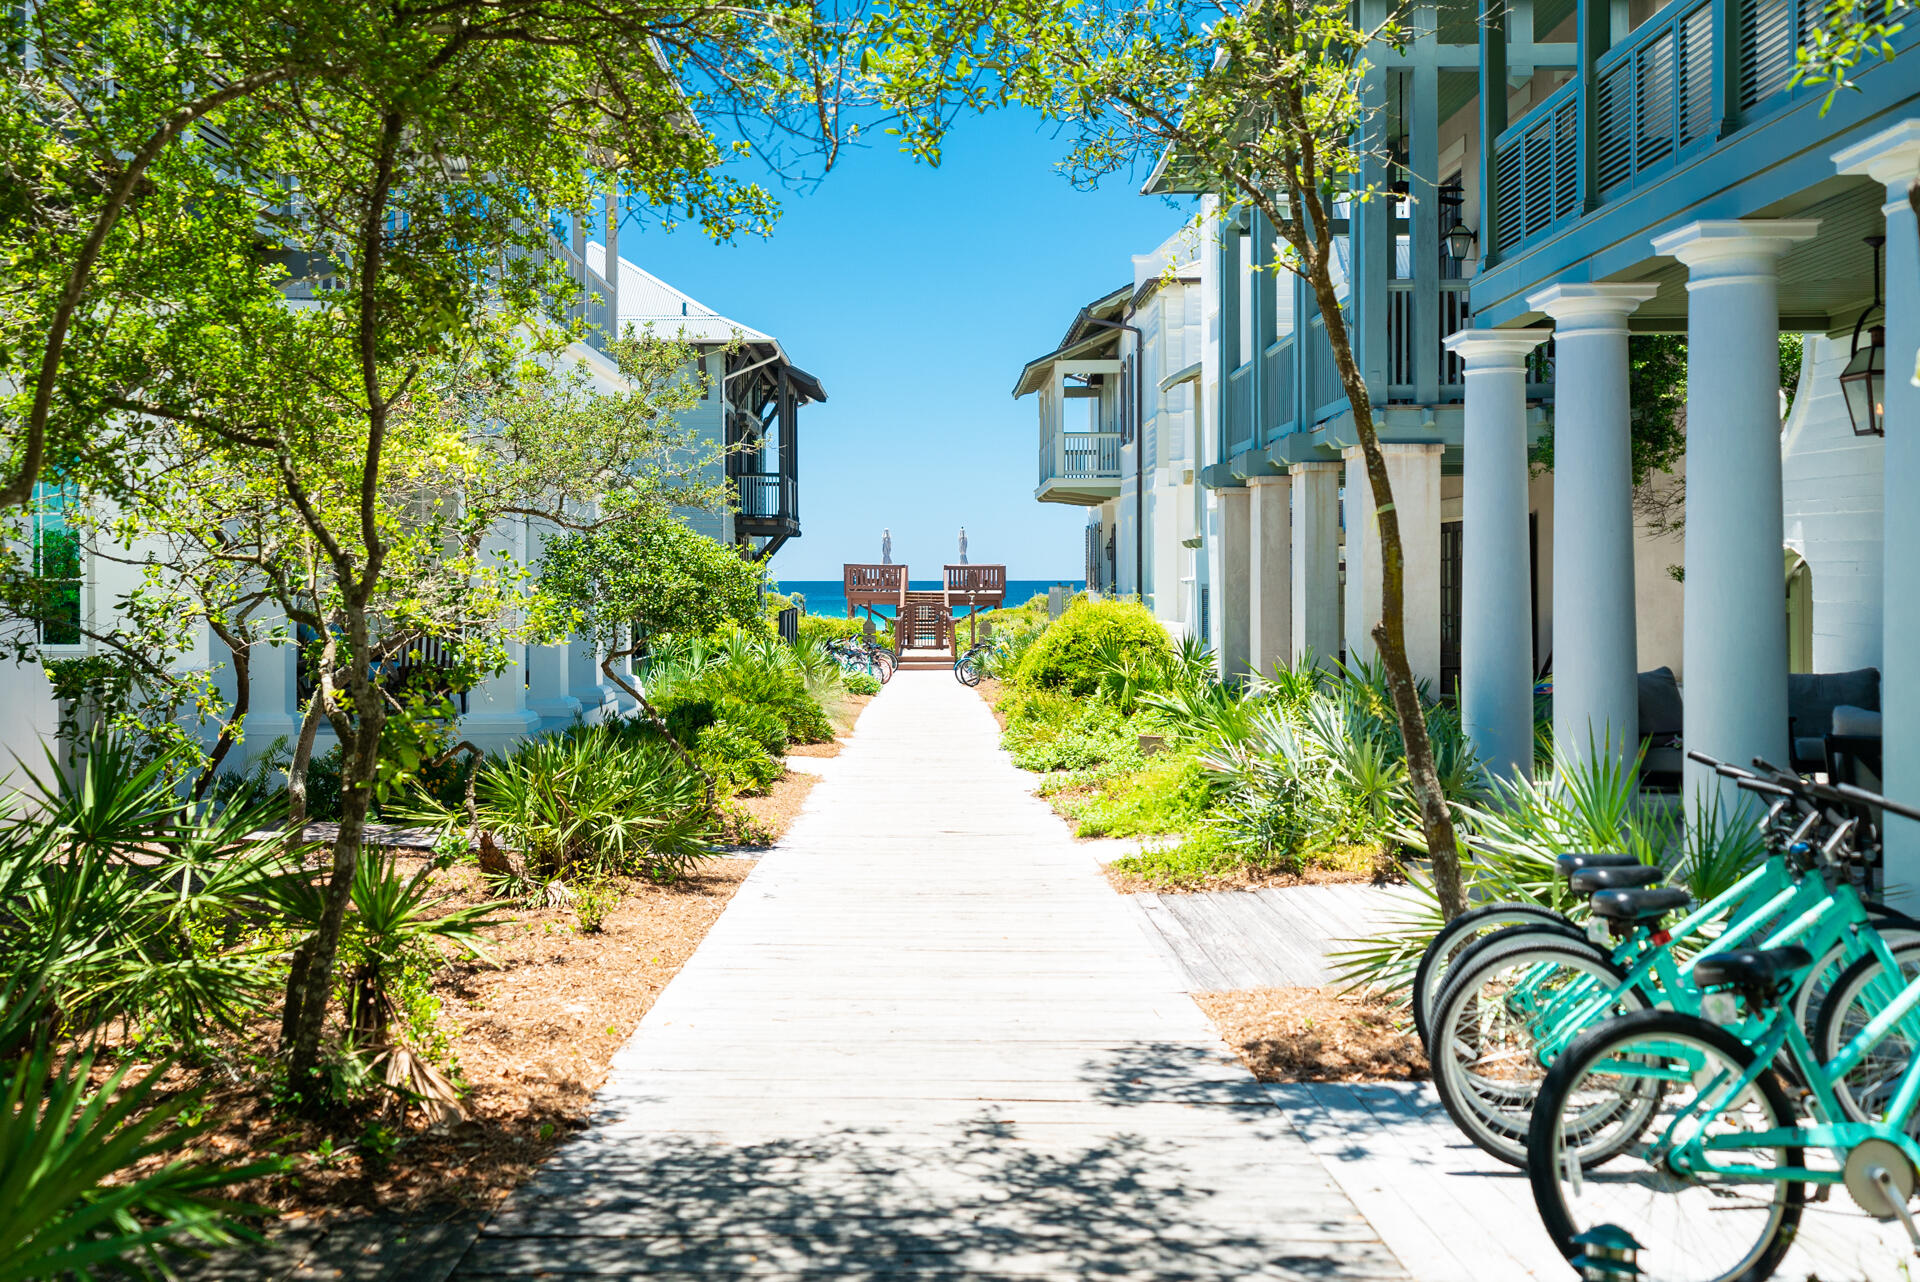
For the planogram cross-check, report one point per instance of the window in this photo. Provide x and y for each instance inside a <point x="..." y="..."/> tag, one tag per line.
<point x="56" y="566"/>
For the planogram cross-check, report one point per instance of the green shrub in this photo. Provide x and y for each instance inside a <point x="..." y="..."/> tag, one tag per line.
<point x="1049" y="731"/>
<point x="591" y="800"/>
<point x="759" y="723"/>
<point x="1171" y="795"/>
<point x="736" y="758"/>
<point x="829" y="627"/>
<point x="1067" y="654"/>
<point x="861" y="683"/>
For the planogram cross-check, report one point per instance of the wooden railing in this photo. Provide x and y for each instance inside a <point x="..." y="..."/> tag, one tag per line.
<point x="1536" y="169"/>
<point x="1653" y="96"/>
<point x="869" y="584"/>
<point x="1402" y="340"/>
<point x="1080" y="456"/>
<point x="768" y="495"/>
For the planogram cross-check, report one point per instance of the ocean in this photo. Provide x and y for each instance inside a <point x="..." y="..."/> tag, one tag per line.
<point x="828" y="596"/>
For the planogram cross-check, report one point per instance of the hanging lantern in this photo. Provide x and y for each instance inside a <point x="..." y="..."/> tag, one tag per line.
<point x="1863" y="383"/>
<point x="1461" y="240"/>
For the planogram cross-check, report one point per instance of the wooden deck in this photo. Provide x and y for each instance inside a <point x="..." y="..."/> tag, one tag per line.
<point x="927" y="1041"/>
<point x="1272" y="938"/>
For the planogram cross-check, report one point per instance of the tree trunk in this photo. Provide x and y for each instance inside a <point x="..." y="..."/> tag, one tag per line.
<point x="297" y="767"/>
<point x="242" y="700"/>
<point x="1390" y="634"/>
<point x="306" y="1015"/>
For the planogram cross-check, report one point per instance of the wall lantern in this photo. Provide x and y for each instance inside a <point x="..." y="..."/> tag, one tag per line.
<point x="1864" y="381"/>
<point x="1461" y="240"/>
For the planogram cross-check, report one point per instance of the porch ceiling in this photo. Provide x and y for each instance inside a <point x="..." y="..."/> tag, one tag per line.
<point x="1824" y="282"/>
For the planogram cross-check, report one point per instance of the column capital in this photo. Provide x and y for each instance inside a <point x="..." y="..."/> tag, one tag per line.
<point x="1591" y="309"/>
<point x="1724" y="250"/>
<point x="1485" y="350"/>
<point x="1889" y="157"/>
<point x="1267" y="478"/>
<point x="1310" y="466"/>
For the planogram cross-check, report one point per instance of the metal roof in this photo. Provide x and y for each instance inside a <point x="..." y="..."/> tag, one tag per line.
<point x="646" y="300"/>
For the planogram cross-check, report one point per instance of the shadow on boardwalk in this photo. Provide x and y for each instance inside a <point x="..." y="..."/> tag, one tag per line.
<point x="987" y="1203"/>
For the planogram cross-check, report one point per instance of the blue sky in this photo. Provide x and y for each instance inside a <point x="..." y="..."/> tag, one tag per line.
<point x="915" y="295"/>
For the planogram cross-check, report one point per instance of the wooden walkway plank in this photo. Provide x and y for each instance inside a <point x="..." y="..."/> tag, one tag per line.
<point x="926" y="1040"/>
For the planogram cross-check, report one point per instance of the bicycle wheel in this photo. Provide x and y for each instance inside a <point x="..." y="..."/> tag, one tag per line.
<point x="1897" y="930"/>
<point x="1682" y="1070"/>
<point x="1454" y="938"/>
<point x="883" y="665"/>
<point x="1487" y="1054"/>
<point x="967" y="668"/>
<point x="1862" y="991"/>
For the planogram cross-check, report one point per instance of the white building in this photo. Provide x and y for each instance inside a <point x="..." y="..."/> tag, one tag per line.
<point x="755" y="392"/>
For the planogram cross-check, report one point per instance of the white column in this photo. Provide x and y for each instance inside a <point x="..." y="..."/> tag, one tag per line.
<point x="273" y="696"/>
<point x="1893" y="159"/>
<point x="547" y="695"/>
<point x="1362" y="603"/>
<point x="1230" y="594"/>
<point x="1413" y="470"/>
<point x="1734" y="634"/>
<point x="1270" y="582"/>
<point x="497" y="712"/>
<point x="1596" y="692"/>
<point x="1496" y="597"/>
<point x="1314" y="612"/>
<point x="584" y="679"/>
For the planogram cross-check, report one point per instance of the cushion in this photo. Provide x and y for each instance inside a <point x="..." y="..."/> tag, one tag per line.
<point x="1661" y="710"/>
<point x="1812" y="697"/>
<point x="1861" y="722"/>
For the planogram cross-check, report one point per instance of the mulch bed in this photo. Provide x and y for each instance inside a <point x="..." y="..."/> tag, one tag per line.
<point x="1239" y="879"/>
<point x="534" y="1039"/>
<point x="1316" y="1035"/>
<point x="775" y="812"/>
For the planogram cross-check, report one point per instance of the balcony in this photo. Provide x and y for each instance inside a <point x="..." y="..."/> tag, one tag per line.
<point x="1668" y="92"/>
<point x="768" y="504"/>
<point x="1080" y="468"/>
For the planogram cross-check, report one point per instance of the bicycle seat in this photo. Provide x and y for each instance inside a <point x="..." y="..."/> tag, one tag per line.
<point x="1588" y="880"/>
<point x="1750" y="967"/>
<point x="1571" y="864"/>
<point x="1638" y="905"/>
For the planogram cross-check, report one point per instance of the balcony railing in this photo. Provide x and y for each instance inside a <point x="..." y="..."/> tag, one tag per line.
<point x="1276" y="375"/>
<point x="1402" y="340"/>
<point x="1654" y="101"/>
<point x="1240" y="409"/>
<point x="768" y="495"/>
<point x="1536" y="169"/>
<point x="1080" y="456"/>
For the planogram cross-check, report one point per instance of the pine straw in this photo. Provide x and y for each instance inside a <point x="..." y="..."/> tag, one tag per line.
<point x="1243" y="877"/>
<point x="775" y="812"/>
<point x="534" y="1041"/>
<point x="1316" y="1035"/>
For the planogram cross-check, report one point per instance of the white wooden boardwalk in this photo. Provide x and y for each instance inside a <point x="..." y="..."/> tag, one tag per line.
<point x="927" y="1041"/>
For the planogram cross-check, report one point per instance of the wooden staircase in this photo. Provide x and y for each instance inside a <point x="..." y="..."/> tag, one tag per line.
<point x="923" y="631"/>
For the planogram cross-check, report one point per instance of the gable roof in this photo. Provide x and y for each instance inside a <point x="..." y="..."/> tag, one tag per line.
<point x="646" y="300"/>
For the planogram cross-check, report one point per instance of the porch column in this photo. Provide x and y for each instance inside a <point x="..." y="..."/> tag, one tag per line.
<point x="1893" y="159"/>
<point x="1314" y="610"/>
<point x="273" y="696"/>
<point x="1230" y="594"/>
<point x="547" y="695"/>
<point x="497" y="712"/>
<point x="1413" y="470"/>
<point x="1596" y="690"/>
<point x="584" y="680"/>
<point x="1734" y="636"/>
<point x="1270" y="582"/>
<point x="1496" y="599"/>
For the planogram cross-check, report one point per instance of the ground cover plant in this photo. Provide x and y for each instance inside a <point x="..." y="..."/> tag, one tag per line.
<point x="1302" y="774"/>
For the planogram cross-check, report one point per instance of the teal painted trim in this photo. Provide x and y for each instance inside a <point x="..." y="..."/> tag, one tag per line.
<point x="1771" y="158"/>
<point x="1252" y="463"/>
<point x="1219" y="476"/>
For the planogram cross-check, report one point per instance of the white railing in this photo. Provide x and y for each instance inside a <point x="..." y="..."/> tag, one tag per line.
<point x="1080" y="456"/>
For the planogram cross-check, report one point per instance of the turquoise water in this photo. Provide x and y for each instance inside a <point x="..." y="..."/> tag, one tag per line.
<point x="828" y="596"/>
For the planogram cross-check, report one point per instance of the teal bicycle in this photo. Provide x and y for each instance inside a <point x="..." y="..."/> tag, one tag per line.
<point x="1720" y="1121"/>
<point x="1514" y="1000"/>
